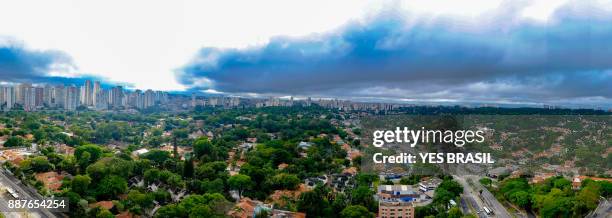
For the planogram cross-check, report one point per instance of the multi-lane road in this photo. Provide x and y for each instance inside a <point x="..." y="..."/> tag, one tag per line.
<point x="24" y="192"/>
<point x="473" y="197"/>
<point x="604" y="209"/>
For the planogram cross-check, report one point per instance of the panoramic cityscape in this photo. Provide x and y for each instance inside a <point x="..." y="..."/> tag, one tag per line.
<point x="92" y="96"/>
<point x="295" y="109"/>
<point x="28" y="97"/>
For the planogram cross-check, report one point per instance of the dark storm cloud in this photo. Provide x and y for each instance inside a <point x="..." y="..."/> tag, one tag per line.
<point x="21" y="65"/>
<point x="508" y="59"/>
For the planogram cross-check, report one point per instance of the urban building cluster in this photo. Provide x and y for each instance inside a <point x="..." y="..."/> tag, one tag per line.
<point x="288" y="102"/>
<point x="344" y="105"/>
<point x="227" y="102"/>
<point x="91" y="95"/>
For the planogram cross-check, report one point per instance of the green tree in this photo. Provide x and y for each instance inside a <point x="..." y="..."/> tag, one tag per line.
<point x="486" y="181"/>
<point x="180" y="133"/>
<point x="589" y="196"/>
<point x="562" y="183"/>
<point x="170" y="211"/>
<point x="158" y="157"/>
<point x="215" y="186"/>
<point x="205" y="171"/>
<point x="80" y="184"/>
<point x="201" y="211"/>
<point x="40" y="136"/>
<point x="452" y="186"/>
<point x="111" y="186"/>
<point x="84" y="160"/>
<point x="240" y="182"/>
<point x="560" y="207"/>
<point x="315" y="203"/>
<point x="443" y="196"/>
<point x="356" y="211"/>
<point x="285" y="181"/>
<point x="410" y="180"/>
<point x="104" y="213"/>
<point x="15" y="141"/>
<point x="455" y="212"/>
<point x="364" y="179"/>
<point x="161" y="196"/>
<point x="516" y="190"/>
<point x="110" y="166"/>
<point x="202" y="147"/>
<point x="94" y="151"/>
<point x="37" y="164"/>
<point x="136" y="199"/>
<point x="207" y="205"/>
<point x="188" y="168"/>
<point x="521" y="199"/>
<point x="362" y="195"/>
<point x="339" y="203"/>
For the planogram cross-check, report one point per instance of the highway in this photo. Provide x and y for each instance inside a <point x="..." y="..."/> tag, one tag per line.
<point x="490" y="200"/>
<point x="4" y="209"/>
<point x="477" y="200"/>
<point x="9" y="181"/>
<point x="604" y="210"/>
<point x="471" y="197"/>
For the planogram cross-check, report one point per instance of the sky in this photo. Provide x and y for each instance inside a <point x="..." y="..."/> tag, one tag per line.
<point x="488" y="51"/>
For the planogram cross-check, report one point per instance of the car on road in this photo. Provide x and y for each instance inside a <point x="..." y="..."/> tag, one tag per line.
<point x="12" y="192"/>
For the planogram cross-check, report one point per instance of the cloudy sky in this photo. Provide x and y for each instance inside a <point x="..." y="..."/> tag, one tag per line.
<point x="488" y="51"/>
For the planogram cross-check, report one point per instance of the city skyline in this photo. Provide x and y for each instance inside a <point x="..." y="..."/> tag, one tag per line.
<point x="32" y="97"/>
<point x="500" y="52"/>
<point x="70" y="97"/>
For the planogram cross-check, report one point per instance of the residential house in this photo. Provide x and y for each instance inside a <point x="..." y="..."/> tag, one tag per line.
<point x="577" y="181"/>
<point x="51" y="180"/>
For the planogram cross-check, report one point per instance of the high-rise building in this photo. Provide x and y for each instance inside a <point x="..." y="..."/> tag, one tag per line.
<point x="38" y="96"/>
<point x="20" y="92"/>
<point x="133" y="98"/>
<point x="59" y="96"/>
<point x="193" y="100"/>
<point x="235" y="101"/>
<point x="8" y="97"/>
<point x="136" y="99"/>
<point x="48" y="96"/>
<point x="101" y="100"/>
<point x="29" y="99"/>
<point x="149" y="98"/>
<point x="96" y="91"/>
<point x="82" y="96"/>
<point x="158" y="96"/>
<point x="213" y="102"/>
<point x="116" y="97"/>
<point x="161" y="97"/>
<point x="72" y="98"/>
<point x="124" y="101"/>
<point x="1" y="97"/>
<point x="88" y="93"/>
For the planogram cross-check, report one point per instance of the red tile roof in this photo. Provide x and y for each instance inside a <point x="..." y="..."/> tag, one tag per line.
<point x="51" y="180"/>
<point x="103" y="204"/>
